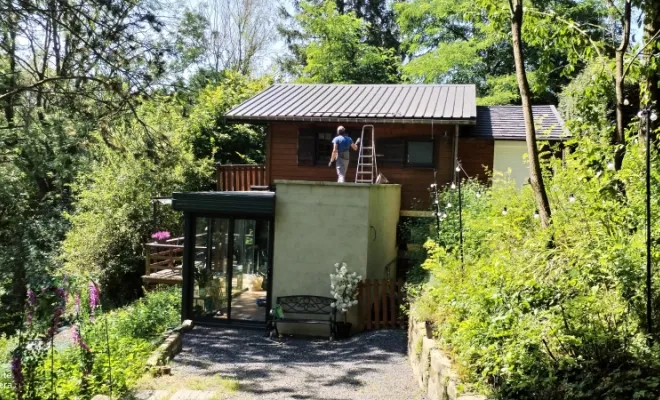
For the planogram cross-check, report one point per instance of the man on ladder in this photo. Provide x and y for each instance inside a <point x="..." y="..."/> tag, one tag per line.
<point x="341" y="146"/>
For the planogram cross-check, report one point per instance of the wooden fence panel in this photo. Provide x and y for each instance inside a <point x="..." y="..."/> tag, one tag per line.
<point x="379" y="302"/>
<point x="236" y="177"/>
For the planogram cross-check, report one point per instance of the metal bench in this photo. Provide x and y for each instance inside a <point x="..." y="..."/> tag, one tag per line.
<point x="302" y="306"/>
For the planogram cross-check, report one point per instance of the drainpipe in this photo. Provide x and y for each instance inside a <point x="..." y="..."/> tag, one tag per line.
<point x="455" y="154"/>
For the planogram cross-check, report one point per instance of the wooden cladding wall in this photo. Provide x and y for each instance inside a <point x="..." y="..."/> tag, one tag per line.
<point x="380" y="302"/>
<point x="475" y="154"/>
<point x="282" y="158"/>
<point x="236" y="178"/>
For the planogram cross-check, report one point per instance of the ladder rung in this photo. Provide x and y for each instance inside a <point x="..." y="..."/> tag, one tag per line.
<point x="364" y="181"/>
<point x="367" y="148"/>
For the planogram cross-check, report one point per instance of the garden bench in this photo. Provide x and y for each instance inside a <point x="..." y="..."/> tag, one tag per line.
<point x="302" y="307"/>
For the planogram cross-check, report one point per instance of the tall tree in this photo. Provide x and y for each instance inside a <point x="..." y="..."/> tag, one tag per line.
<point x="619" y="137"/>
<point x="463" y="41"/>
<point x="381" y="29"/>
<point x="650" y="86"/>
<point x="67" y="69"/>
<point x="535" y="175"/>
<point x="227" y="34"/>
<point x="334" y="49"/>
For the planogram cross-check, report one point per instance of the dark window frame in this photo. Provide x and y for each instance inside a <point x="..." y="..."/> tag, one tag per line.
<point x="317" y="160"/>
<point x="420" y="165"/>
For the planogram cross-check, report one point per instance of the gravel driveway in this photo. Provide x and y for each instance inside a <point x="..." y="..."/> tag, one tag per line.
<point x="371" y="365"/>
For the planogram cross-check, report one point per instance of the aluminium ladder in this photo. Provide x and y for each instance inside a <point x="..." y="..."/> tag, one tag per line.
<point x="366" y="167"/>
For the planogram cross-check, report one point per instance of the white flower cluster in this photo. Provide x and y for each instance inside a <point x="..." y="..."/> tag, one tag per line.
<point x="344" y="287"/>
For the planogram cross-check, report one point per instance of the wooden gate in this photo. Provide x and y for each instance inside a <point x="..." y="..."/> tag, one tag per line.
<point x="380" y="302"/>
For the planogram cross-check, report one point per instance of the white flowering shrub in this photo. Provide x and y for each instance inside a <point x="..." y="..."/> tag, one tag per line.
<point x="344" y="288"/>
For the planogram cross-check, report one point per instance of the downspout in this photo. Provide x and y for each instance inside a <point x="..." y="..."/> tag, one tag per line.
<point x="455" y="153"/>
<point x="269" y="146"/>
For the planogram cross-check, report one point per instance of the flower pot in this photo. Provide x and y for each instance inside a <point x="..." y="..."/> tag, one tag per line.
<point x="343" y="330"/>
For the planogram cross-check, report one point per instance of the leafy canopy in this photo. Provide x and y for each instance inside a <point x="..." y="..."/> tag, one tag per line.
<point x="335" y="49"/>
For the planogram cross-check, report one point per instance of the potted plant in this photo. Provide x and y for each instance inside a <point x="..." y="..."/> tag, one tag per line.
<point x="344" y="289"/>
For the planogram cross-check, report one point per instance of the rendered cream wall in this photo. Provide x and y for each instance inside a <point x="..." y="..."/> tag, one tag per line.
<point x="320" y="223"/>
<point x="511" y="155"/>
<point x="384" y="208"/>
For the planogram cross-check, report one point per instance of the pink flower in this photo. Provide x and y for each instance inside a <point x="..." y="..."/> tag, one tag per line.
<point x="161" y="235"/>
<point x="55" y="322"/>
<point x="32" y="301"/>
<point x="94" y="296"/>
<point x="77" y="339"/>
<point x="94" y="299"/>
<point x="32" y="298"/>
<point x="17" y="374"/>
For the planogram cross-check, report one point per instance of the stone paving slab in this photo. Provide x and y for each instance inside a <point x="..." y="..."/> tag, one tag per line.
<point x="151" y="395"/>
<point x="186" y="394"/>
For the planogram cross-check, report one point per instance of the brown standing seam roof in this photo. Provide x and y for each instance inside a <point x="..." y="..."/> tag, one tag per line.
<point x="455" y="104"/>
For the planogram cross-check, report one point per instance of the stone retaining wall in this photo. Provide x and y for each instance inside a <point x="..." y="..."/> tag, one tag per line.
<point x="171" y="346"/>
<point x="431" y="367"/>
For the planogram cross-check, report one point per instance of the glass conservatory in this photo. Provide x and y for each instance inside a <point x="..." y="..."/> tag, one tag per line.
<point x="227" y="255"/>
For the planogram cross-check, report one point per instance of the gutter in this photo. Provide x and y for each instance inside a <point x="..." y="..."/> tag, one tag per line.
<point x="363" y="120"/>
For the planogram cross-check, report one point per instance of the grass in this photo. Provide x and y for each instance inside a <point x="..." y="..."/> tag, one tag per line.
<point x="218" y="384"/>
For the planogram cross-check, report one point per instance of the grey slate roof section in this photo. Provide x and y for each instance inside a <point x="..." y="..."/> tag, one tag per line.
<point x="448" y="104"/>
<point x="508" y="123"/>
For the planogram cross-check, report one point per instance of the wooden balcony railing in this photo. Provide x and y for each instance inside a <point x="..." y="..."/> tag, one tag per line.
<point x="240" y="177"/>
<point x="167" y="255"/>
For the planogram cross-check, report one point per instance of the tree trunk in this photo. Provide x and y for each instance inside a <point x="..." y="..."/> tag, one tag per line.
<point x="9" y="44"/>
<point x="619" y="137"/>
<point x="651" y="78"/>
<point x="535" y="176"/>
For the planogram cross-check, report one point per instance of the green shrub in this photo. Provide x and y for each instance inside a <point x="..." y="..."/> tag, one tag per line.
<point x="555" y="313"/>
<point x="133" y="333"/>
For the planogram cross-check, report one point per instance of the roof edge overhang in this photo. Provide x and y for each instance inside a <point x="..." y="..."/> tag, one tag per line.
<point x="518" y="138"/>
<point x="227" y="204"/>
<point x="265" y="120"/>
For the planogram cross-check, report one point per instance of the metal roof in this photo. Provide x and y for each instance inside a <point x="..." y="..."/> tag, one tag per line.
<point x="449" y="104"/>
<point x="508" y="123"/>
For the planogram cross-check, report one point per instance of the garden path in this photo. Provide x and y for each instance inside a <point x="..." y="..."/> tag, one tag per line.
<point x="241" y="365"/>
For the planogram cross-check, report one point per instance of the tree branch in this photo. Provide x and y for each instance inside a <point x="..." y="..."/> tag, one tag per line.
<point x="47" y="80"/>
<point x="641" y="49"/>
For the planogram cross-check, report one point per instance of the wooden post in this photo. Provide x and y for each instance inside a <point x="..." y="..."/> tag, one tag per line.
<point x="367" y="301"/>
<point x="376" y="304"/>
<point x="383" y="299"/>
<point x="147" y="261"/>
<point x="392" y="303"/>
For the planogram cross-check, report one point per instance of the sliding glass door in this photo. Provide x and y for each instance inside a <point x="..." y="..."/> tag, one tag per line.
<point x="230" y="269"/>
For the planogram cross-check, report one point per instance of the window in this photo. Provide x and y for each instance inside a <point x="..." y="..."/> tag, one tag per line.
<point x="315" y="148"/>
<point x="390" y="151"/>
<point x="306" y="147"/>
<point x="315" y="145"/>
<point x="419" y="153"/>
<point x="323" y="147"/>
<point x="400" y="152"/>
